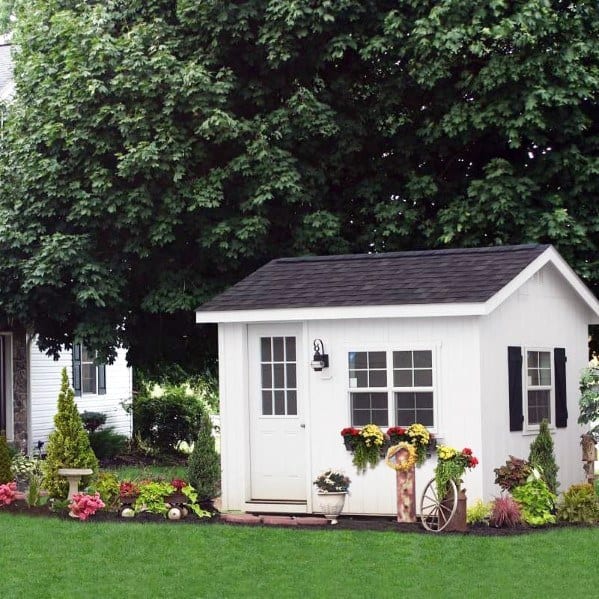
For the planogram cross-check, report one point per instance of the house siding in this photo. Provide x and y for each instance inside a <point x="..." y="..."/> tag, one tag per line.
<point x="45" y="386"/>
<point x="544" y="313"/>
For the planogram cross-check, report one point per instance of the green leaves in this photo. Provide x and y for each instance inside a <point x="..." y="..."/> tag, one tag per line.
<point x="157" y="152"/>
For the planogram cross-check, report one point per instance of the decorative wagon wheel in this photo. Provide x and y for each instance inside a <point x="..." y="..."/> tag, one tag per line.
<point x="436" y="512"/>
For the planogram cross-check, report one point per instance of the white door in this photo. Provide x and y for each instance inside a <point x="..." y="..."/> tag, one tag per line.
<point x="277" y="437"/>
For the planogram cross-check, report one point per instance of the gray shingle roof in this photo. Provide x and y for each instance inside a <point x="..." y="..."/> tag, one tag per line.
<point x="420" y="277"/>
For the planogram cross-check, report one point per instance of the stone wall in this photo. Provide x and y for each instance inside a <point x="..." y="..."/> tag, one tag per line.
<point x="19" y="365"/>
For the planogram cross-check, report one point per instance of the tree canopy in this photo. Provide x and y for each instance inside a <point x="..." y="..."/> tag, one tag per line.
<point x="159" y="150"/>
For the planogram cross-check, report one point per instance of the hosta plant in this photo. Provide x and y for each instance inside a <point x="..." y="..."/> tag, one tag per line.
<point x="505" y="512"/>
<point x="537" y="502"/>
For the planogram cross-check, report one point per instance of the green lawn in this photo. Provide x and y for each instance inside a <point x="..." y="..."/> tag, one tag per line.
<point x="52" y="558"/>
<point x="148" y="472"/>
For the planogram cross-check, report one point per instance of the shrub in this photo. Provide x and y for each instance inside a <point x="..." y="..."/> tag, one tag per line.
<point x="478" y="513"/>
<point x="92" y="421"/>
<point x="107" y="485"/>
<point x="505" y="512"/>
<point x="68" y="445"/>
<point x="164" y="416"/>
<point x="83" y="506"/>
<point x="513" y="474"/>
<point x="542" y="456"/>
<point x="579" y="504"/>
<point x="537" y="502"/>
<point x="204" y="463"/>
<point x="7" y="493"/>
<point x="106" y="443"/>
<point x="6" y="475"/>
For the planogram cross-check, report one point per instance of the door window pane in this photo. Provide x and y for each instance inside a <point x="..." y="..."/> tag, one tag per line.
<point x="278" y="376"/>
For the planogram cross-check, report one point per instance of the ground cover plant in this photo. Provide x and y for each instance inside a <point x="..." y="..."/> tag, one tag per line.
<point x="153" y="560"/>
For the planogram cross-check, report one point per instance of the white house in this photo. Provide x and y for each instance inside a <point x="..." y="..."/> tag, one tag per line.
<point x="478" y="344"/>
<point x="30" y="383"/>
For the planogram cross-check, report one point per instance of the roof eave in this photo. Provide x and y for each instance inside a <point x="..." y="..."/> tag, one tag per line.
<point x="341" y="313"/>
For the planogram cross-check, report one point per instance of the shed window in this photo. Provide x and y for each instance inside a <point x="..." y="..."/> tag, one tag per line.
<point x="391" y="387"/>
<point x="539" y="386"/>
<point x="279" y="376"/>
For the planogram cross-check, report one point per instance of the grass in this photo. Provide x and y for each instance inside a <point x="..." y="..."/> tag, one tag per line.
<point x="137" y="473"/>
<point x="53" y="558"/>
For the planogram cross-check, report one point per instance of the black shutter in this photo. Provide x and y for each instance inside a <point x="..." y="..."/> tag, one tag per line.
<point x="77" y="368"/>
<point x="561" y="401"/>
<point x="102" y="379"/>
<point x="514" y="360"/>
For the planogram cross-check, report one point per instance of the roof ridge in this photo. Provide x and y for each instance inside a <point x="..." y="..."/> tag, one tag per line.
<point x="414" y="253"/>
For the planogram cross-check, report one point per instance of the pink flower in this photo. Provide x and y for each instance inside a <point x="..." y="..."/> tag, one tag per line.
<point x="7" y="493"/>
<point x="83" y="506"/>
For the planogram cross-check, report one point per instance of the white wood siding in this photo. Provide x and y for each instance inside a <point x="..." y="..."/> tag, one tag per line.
<point x="544" y="313"/>
<point x="45" y="375"/>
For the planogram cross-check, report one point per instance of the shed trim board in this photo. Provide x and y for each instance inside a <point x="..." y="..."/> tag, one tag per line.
<point x="543" y="307"/>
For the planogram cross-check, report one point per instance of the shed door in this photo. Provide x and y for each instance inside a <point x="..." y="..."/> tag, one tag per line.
<point x="277" y="437"/>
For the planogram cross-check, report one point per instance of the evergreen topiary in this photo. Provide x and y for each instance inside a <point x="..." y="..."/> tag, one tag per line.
<point x="542" y="457"/>
<point x="68" y="445"/>
<point x="204" y="463"/>
<point x="6" y="475"/>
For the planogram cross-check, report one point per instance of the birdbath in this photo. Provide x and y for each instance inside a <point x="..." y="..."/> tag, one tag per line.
<point x="73" y="475"/>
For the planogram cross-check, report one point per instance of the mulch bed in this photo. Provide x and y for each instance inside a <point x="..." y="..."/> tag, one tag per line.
<point x="378" y="523"/>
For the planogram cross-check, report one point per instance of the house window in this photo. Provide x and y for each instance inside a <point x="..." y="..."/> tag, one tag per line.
<point x="538" y="386"/>
<point x="393" y="387"/>
<point x="89" y="377"/>
<point x="413" y="387"/>
<point x="279" y="376"/>
<point x="368" y="373"/>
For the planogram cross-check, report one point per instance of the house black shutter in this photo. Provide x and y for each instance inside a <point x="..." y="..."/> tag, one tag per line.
<point x="514" y="360"/>
<point x="77" y="368"/>
<point x="102" y="379"/>
<point x="561" y="402"/>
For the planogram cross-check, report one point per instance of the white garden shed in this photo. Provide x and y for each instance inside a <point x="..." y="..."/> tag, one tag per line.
<point x="477" y="344"/>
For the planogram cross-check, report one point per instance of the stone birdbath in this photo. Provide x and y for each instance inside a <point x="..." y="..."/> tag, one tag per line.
<point x="73" y="475"/>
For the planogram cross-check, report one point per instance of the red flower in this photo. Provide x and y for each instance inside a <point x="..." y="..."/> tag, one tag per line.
<point x="467" y="451"/>
<point x="178" y="483"/>
<point x="472" y="462"/>
<point x="350" y="432"/>
<point x="396" y="430"/>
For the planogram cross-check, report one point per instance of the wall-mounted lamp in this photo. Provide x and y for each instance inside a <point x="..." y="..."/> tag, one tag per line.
<point x="320" y="359"/>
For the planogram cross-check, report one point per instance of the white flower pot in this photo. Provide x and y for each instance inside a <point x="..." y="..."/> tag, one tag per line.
<point x="330" y="504"/>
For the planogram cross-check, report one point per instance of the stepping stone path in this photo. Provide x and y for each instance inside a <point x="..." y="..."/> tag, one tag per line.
<point x="273" y="520"/>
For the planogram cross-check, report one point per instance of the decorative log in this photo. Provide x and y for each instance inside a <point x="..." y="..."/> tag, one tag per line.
<point x="406" y="495"/>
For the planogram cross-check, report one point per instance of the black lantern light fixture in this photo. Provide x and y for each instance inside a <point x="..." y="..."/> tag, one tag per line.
<point x="320" y="359"/>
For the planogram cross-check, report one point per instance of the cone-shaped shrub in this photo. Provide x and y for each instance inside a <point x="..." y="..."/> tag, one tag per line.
<point x="5" y="461"/>
<point x="68" y="445"/>
<point x="204" y="463"/>
<point x="542" y="456"/>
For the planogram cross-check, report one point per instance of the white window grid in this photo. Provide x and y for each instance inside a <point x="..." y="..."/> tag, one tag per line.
<point x="530" y="386"/>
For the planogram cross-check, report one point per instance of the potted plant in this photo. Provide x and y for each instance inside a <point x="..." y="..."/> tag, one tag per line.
<point x="451" y="466"/>
<point x="366" y="444"/>
<point x="332" y="488"/>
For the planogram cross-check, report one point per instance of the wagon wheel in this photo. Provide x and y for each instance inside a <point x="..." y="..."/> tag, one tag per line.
<point x="436" y="512"/>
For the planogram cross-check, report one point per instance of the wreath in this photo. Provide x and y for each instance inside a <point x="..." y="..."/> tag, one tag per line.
<point x="405" y="464"/>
